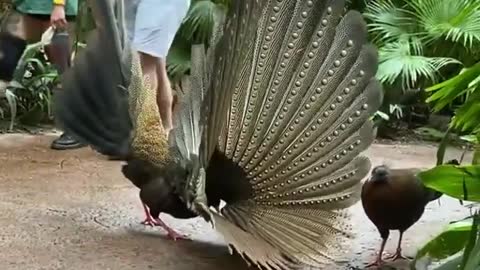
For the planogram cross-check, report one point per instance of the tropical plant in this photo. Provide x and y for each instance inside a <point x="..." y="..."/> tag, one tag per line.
<point x="29" y="96"/>
<point x="197" y="28"/>
<point x="418" y="38"/>
<point x="29" y="93"/>
<point x="458" y="246"/>
<point x="467" y="85"/>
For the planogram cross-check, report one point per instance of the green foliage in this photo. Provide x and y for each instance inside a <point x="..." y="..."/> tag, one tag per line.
<point x="29" y="94"/>
<point x="412" y="37"/>
<point x="197" y="28"/>
<point x="467" y="84"/>
<point x="178" y="58"/>
<point x="198" y="25"/>
<point x="461" y="182"/>
<point x="402" y="59"/>
<point x="458" y="245"/>
<point x="449" y="242"/>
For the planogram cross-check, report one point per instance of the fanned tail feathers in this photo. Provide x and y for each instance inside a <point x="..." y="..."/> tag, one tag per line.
<point x="300" y="75"/>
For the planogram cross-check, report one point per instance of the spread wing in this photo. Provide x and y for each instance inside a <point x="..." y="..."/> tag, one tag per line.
<point x="92" y="103"/>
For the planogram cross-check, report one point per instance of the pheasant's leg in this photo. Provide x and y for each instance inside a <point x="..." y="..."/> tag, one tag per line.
<point x="378" y="262"/>
<point x="398" y="255"/>
<point x="171" y="233"/>
<point x="149" y="220"/>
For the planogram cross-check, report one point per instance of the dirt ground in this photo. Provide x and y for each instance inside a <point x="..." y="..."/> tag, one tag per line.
<point x="74" y="210"/>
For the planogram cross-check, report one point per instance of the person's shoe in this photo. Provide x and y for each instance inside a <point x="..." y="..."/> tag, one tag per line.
<point x="66" y="142"/>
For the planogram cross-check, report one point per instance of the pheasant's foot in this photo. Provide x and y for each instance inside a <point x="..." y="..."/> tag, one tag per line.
<point x="377" y="263"/>
<point x="172" y="234"/>
<point x="397" y="256"/>
<point x="150" y="221"/>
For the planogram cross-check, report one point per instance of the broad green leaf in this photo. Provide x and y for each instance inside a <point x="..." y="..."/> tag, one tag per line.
<point x="474" y="259"/>
<point x="449" y="242"/>
<point x="461" y="182"/>
<point x="472" y="241"/>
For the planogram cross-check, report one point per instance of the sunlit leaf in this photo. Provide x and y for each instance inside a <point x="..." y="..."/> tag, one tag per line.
<point x="470" y="138"/>
<point x="467" y="116"/>
<point x="461" y="182"/>
<point x="449" y="242"/>
<point x="387" y="21"/>
<point x="458" y="21"/>
<point x="398" y="60"/>
<point x="472" y="241"/>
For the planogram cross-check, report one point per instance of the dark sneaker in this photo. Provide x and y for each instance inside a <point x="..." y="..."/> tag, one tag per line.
<point x="66" y="142"/>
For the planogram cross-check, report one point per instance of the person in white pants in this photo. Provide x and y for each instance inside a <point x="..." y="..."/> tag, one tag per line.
<point x="155" y="24"/>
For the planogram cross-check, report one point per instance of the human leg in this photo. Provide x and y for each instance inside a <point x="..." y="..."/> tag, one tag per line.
<point x="59" y="54"/>
<point x="155" y="29"/>
<point x="164" y="95"/>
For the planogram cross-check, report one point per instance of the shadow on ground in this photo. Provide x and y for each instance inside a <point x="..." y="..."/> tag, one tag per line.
<point x="74" y="210"/>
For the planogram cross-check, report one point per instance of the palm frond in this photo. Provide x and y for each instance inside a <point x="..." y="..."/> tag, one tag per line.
<point x="446" y="92"/>
<point x="458" y="21"/>
<point x="467" y="116"/>
<point x="466" y="83"/>
<point x="403" y="60"/>
<point x="388" y="22"/>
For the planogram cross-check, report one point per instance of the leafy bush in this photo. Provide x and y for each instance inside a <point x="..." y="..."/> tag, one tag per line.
<point x="29" y="94"/>
<point x="421" y="42"/>
<point x="459" y="244"/>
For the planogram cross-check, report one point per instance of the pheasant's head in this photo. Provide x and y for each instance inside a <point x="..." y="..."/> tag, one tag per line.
<point x="380" y="174"/>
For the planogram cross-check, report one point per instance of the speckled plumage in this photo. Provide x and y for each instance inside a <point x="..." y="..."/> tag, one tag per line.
<point x="149" y="139"/>
<point x="273" y="122"/>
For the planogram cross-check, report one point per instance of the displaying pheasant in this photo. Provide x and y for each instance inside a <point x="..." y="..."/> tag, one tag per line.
<point x="273" y="123"/>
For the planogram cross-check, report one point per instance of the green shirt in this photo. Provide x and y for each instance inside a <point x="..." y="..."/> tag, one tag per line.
<point x="44" y="7"/>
